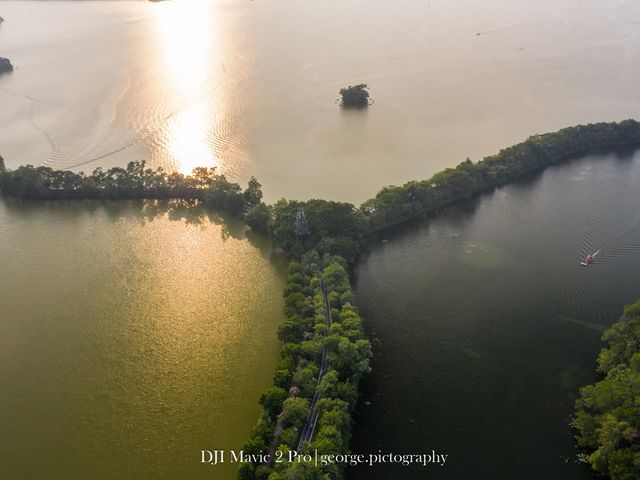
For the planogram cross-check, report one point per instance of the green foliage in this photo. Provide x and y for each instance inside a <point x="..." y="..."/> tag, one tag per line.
<point x="394" y="205"/>
<point x="291" y="330"/>
<point x="312" y="348"/>
<point x="306" y="379"/>
<point x="259" y="218"/>
<point x="262" y="472"/>
<point x="263" y="429"/>
<point x="255" y="446"/>
<point x="300" y="471"/>
<point x="293" y="303"/>
<point x="334" y="228"/>
<point x="134" y="181"/>
<point x="620" y="339"/>
<point x="355" y="95"/>
<point x="290" y="350"/>
<point x="246" y="472"/>
<point x="351" y="359"/>
<point x="295" y="411"/>
<point x="332" y="388"/>
<point x="272" y="399"/>
<point x="607" y="414"/>
<point x="348" y="354"/>
<point x="282" y="378"/>
<point x="223" y="195"/>
<point x="5" y="63"/>
<point x="289" y="437"/>
<point x="253" y="194"/>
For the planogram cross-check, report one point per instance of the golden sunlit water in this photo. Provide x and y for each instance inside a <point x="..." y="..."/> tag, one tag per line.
<point x="130" y="339"/>
<point x="251" y="86"/>
<point x="133" y="336"/>
<point x="187" y="34"/>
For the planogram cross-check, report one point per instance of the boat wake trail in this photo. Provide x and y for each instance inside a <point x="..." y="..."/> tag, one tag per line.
<point x="130" y="144"/>
<point x="590" y="233"/>
<point x="498" y="29"/>
<point x="623" y="239"/>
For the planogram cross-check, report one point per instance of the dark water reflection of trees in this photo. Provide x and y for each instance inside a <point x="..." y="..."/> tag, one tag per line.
<point x="141" y="212"/>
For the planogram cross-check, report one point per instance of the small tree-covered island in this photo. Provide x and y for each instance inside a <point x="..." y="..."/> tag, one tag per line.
<point x="324" y="348"/>
<point x="355" y="96"/>
<point x="5" y="65"/>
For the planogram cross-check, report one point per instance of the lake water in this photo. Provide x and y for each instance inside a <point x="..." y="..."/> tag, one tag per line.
<point x="250" y="86"/>
<point x="130" y="339"/>
<point x="485" y="324"/>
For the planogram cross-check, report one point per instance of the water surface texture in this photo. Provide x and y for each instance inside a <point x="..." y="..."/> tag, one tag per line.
<point x="130" y="339"/>
<point x="485" y="324"/>
<point x="250" y="86"/>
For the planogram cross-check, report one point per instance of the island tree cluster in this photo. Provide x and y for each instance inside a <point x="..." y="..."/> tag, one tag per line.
<point x="355" y="96"/>
<point x="5" y="65"/>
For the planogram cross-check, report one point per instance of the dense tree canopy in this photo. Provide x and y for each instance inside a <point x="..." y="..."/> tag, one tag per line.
<point x="133" y="181"/>
<point x="355" y="95"/>
<point x="306" y="336"/>
<point x="394" y="205"/>
<point x="331" y="227"/>
<point x="325" y="226"/>
<point x="608" y="413"/>
<point x="5" y="64"/>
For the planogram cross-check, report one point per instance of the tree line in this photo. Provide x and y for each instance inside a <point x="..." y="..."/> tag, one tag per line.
<point x="135" y="181"/>
<point x="321" y="238"/>
<point x="336" y="228"/>
<point x="339" y="228"/>
<point x="393" y="205"/>
<point x="305" y="335"/>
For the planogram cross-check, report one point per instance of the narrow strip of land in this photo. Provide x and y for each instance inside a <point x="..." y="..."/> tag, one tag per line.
<point x="312" y="418"/>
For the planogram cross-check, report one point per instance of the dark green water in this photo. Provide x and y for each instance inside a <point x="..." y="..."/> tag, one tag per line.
<point x="487" y="325"/>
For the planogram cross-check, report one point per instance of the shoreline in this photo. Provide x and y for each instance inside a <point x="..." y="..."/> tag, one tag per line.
<point x="318" y="235"/>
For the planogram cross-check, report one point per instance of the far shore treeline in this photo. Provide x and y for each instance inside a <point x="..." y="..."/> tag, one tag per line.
<point x="136" y="181"/>
<point x="335" y="228"/>
<point x="325" y="352"/>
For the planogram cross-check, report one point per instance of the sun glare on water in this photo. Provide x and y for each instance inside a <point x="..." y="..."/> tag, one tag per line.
<point x="187" y="37"/>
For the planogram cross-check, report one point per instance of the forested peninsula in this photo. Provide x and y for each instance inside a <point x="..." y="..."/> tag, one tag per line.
<point x="324" y="351"/>
<point x="324" y="355"/>
<point x="336" y="228"/>
<point x="136" y="181"/>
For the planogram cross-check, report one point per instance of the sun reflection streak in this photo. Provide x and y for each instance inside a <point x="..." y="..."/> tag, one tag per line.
<point x="186" y="35"/>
